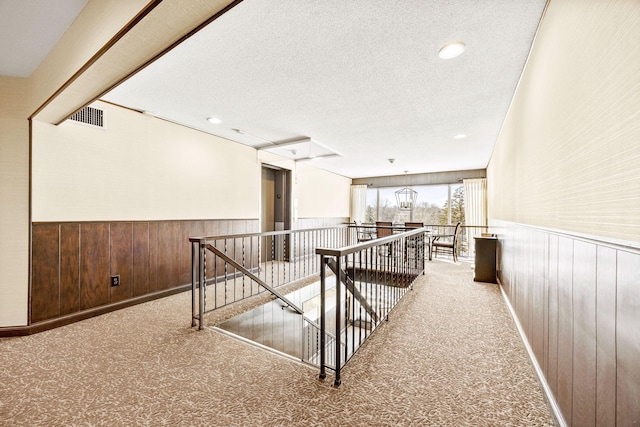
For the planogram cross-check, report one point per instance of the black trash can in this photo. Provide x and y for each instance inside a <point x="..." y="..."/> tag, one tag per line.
<point x="485" y="267"/>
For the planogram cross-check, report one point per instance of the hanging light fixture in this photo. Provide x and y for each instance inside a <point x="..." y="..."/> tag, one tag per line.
<point x="406" y="197"/>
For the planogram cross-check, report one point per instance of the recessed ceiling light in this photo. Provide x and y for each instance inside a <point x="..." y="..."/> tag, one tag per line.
<point x="451" y="50"/>
<point x="460" y="136"/>
<point x="214" y="120"/>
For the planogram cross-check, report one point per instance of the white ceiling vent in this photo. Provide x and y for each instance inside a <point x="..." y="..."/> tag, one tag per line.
<point x="90" y="116"/>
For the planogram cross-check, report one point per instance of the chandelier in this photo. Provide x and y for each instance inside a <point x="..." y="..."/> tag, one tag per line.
<point x="406" y="198"/>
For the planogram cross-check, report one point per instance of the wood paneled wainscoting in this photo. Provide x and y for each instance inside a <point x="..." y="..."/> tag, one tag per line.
<point x="577" y="300"/>
<point x="72" y="264"/>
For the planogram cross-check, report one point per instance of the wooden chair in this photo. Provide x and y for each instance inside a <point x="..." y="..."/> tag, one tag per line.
<point x="364" y="233"/>
<point x="414" y="245"/>
<point x="451" y="244"/>
<point x="413" y="224"/>
<point x="383" y="231"/>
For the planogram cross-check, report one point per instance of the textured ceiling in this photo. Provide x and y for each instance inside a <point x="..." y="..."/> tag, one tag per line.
<point x="361" y="78"/>
<point x="29" y="29"/>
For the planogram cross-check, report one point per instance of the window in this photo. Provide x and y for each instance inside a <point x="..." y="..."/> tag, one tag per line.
<point x="436" y="204"/>
<point x="453" y="210"/>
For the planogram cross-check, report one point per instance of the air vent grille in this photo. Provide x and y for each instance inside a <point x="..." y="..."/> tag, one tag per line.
<point x="90" y="116"/>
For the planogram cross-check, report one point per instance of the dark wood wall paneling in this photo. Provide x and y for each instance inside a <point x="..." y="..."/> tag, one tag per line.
<point x="606" y="336"/>
<point x="72" y="262"/>
<point x="552" y="363"/>
<point x="69" y="268"/>
<point x="94" y="265"/>
<point x="142" y="283"/>
<point x="578" y="302"/>
<point x="168" y="258"/>
<point x="153" y="257"/>
<point x="628" y="339"/>
<point x="45" y="289"/>
<point x="565" y="327"/>
<point x="584" y="333"/>
<point x="121" y="260"/>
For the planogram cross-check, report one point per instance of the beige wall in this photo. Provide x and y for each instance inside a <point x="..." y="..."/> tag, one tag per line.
<point x="143" y="168"/>
<point x="320" y="193"/>
<point x="568" y="156"/>
<point x="316" y="193"/>
<point x="14" y="202"/>
<point x="140" y="168"/>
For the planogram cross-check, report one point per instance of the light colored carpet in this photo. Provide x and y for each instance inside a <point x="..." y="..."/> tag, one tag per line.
<point x="449" y="356"/>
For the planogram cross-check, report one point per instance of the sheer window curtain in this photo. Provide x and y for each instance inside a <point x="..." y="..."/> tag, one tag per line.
<point x="358" y="202"/>
<point x="475" y="209"/>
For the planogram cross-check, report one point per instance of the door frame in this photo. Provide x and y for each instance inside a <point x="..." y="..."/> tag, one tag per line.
<point x="283" y="201"/>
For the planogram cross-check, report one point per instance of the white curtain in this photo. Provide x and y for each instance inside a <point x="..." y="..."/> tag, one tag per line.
<point x="475" y="208"/>
<point x="358" y="202"/>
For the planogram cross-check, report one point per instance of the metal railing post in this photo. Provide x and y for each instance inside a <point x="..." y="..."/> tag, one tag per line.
<point x="338" y="321"/>
<point x="323" y="373"/>
<point x="193" y="284"/>
<point x="202" y="281"/>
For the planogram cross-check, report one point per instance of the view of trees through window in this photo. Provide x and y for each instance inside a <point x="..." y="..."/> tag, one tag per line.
<point x="436" y="204"/>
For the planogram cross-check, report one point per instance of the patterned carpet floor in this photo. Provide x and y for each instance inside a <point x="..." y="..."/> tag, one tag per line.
<point x="450" y="355"/>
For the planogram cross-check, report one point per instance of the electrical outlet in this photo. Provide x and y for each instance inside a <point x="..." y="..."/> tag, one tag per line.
<point x="115" y="280"/>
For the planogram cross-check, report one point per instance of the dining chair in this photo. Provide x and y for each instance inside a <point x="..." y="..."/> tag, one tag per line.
<point x="450" y="244"/>
<point x="414" y="244"/>
<point x="364" y="233"/>
<point x="383" y="229"/>
<point x="413" y="224"/>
